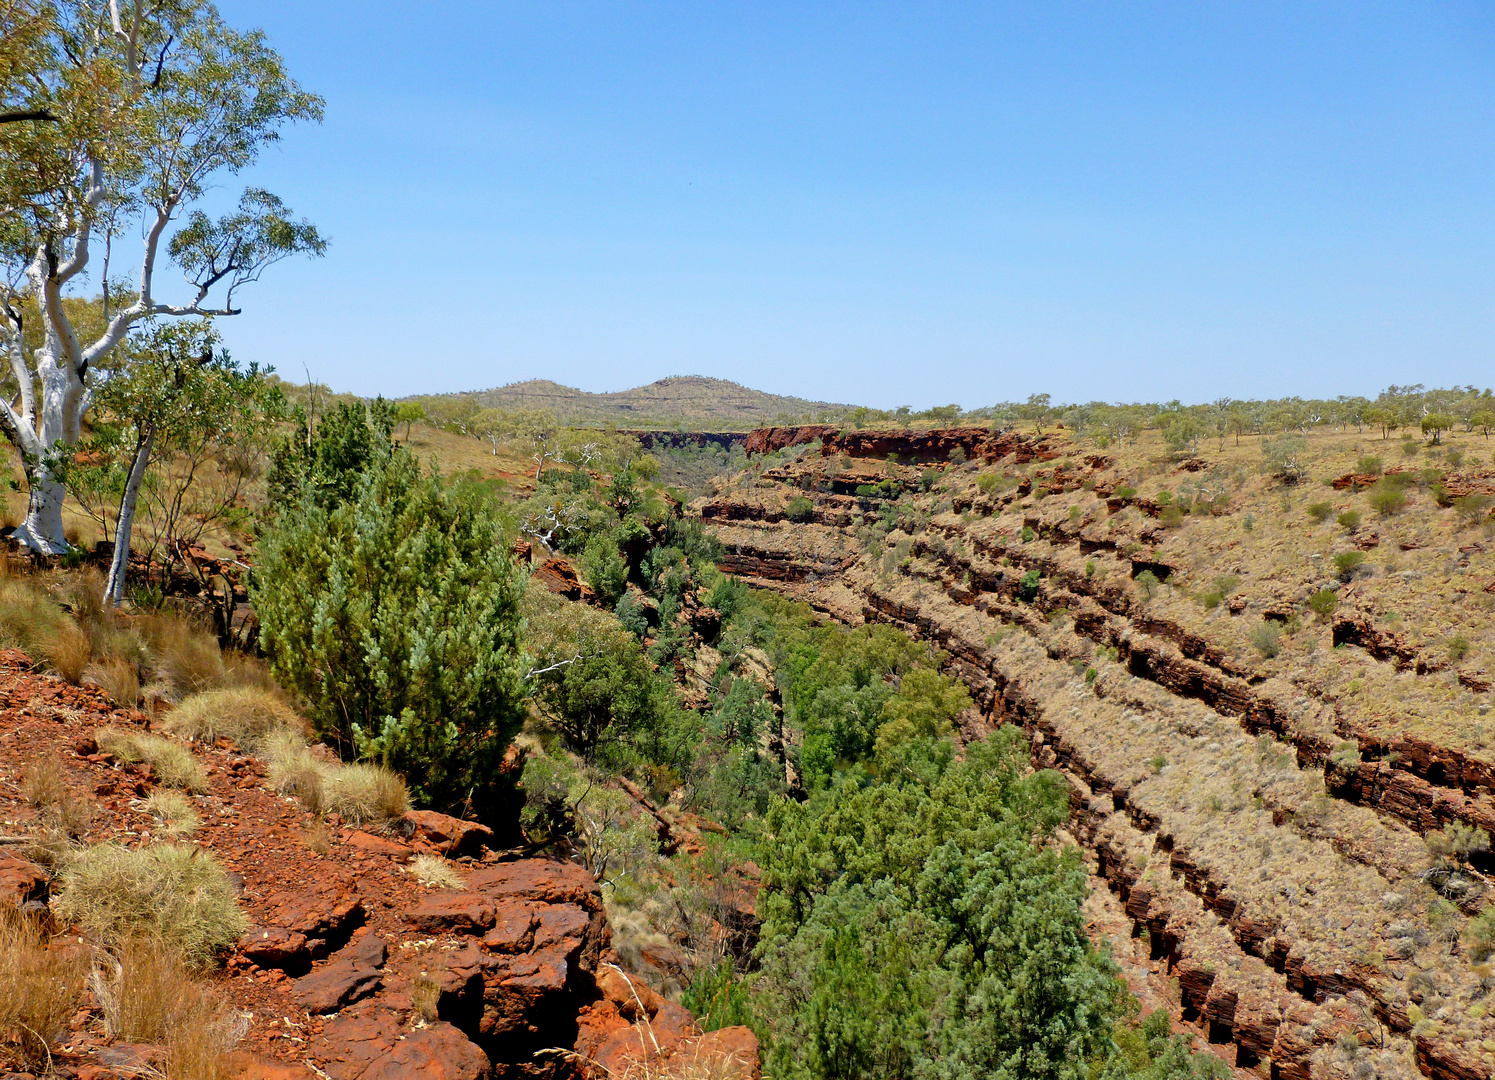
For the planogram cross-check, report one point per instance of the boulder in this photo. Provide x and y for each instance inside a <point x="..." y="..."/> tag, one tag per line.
<point x="450" y="836"/>
<point x="275" y="947"/>
<point x="21" y="881"/>
<point x="377" y="845"/>
<point x="328" y="910"/>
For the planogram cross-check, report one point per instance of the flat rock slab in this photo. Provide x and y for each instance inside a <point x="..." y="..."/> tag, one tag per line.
<point x="351" y="975"/>
<point x="370" y="1047"/>
<point x="449" y="913"/>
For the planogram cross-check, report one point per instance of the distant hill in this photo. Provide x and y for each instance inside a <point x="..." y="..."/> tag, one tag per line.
<point x="690" y="400"/>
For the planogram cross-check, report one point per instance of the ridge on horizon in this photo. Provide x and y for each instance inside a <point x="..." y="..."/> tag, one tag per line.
<point x="666" y="402"/>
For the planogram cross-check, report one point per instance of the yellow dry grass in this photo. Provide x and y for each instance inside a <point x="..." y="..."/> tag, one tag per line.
<point x="171" y="762"/>
<point x="172" y="893"/>
<point x="40" y="986"/>
<point x="247" y="714"/>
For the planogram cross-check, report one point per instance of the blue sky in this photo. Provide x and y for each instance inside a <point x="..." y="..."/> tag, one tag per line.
<point x="887" y="204"/>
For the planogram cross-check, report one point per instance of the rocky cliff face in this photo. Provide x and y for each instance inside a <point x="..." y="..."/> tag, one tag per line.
<point x="1264" y="834"/>
<point x="353" y="969"/>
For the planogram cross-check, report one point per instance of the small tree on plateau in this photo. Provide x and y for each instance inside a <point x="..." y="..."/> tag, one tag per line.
<point x="1435" y="424"/>
<point x="124" y="115"/>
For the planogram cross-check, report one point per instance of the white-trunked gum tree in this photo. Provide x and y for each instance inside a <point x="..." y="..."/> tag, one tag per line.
<point x="130" y="113"/>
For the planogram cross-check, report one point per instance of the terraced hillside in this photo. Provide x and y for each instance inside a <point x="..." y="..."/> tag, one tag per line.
<point x="1270" y="696"/>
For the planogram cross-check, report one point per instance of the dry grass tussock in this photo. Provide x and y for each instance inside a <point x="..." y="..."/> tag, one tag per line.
<point x="61" y="819"/>
<point x="247" y="714"/>
<point x="42" y="783"/>
<point x="174" y="893"/>
<point x="361" y="794"/>
<point x="62" y="619"/>
<point x="117" y="677"/>
<point x="183" y="657"/>
<point x="147" y="995"/>
<point x="171" y="763"/>
<point x="436" y="872"/>
<point x="40" y="984"/>
<point x="365" y="794"/>
<point x="173" y="813"/>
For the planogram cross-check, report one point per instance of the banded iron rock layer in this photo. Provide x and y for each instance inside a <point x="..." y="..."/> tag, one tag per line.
<point x="1276" y="880"/>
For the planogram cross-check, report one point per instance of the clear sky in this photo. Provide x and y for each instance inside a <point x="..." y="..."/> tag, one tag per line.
<point x="887" y="204"/>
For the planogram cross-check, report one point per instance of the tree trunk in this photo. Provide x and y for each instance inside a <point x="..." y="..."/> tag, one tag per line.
<point x="60" y="426"/>
<point x="42" y="530"/>
<point x="114" y="589"/>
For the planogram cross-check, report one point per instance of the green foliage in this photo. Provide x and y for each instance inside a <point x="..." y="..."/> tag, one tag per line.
<point x="1479" y="936"/>
<point x="605" y="569"/>
<point x="327" y="464"/>
<point x="395" y="614"/>
<point x="1458" y="648"/>
<point x="593" y="685"/>
<point x="1387" y="497"/>
<point x="1148" y="584"/>
<point x="1435" y="424"/>
<point x="912" y="926"/>
<point x="1345" y="756"/>
<point x="988" y="482"/>
<point x="1457" y="841"/>
<point x="1368" y="466"/>
<point x="1473" y="509"/>
<point x="718" y="998"/>
<point x="1027" y="585"/>
<point x="1323" y="602"/>
<point x="1266" y="638"/>
<point x="928" y="478"/>
<point x="1320" y="511"/>
<point x="1284" y="457"/>
<point x="631" y="617"/>
<point x="924" y="707"/>
<point x="1347" y="562"/>
<point x="800" y="510"/>
<point x="1349" y="521"/>
<point x="1028" y="535"/>
<point x="728" y="596"/>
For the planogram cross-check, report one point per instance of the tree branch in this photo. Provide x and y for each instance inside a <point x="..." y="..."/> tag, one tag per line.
<point x="13" y="116"/>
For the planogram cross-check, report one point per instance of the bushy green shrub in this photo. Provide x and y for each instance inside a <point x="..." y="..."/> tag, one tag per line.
<point x="1320" y="511"/>
<point x="1458" y="648"/>
<point x="1148" y="584"/>
<point x="728" y="596"/>
<point x="1028" y="535"/>
<point x="1347" y="562"/>
<point x="1349" y="521"/>
<point x="1368" y="466"/>
<point x="1266" y="638"/>
<point x="606" y="571"/>
<point x="800" y="510"/>
<point x="1323" y="602"/>
<point x="866" y="890"/>
<point x="1387" y="499"/>
<point x="395" y="614"/>
<point x="1027" y="586"/>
